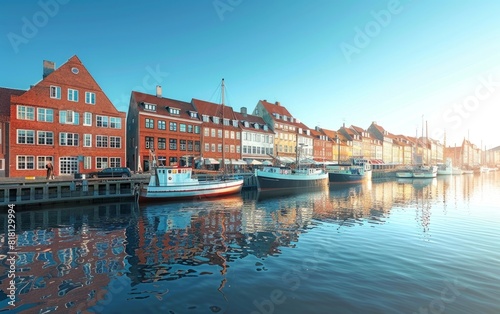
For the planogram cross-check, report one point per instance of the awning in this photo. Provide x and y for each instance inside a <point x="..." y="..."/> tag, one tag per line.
<point x="253" y="162"/>
<point x="267" y="163"/>
<point x="287" y="160"/>
<point x="211" y="161"/>
<point x="238" y="162"/>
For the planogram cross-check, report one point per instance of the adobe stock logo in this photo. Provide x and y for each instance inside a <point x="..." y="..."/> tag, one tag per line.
<point x="223" y="6"/>
<point x="363" y="37"/>
<point x="30" y="27"/>
<point x="454" y="116"/>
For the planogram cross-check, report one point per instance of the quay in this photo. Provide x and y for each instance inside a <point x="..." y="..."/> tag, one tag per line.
<point x="36" y="192"/>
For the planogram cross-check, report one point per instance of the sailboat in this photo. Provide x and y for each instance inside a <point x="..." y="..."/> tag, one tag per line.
<point x="282" y="178"/>
<point x="169" y="182"/>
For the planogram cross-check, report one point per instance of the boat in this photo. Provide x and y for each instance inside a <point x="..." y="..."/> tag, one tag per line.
<point x="359" y="170"/>
<point x="279" y="178"/>
<point x="425" y="172"/>
<point x="168" y="182"/>
<point x="407" y="172"/>
<point x="445" y="168"/>
<point x="468" y="171"/>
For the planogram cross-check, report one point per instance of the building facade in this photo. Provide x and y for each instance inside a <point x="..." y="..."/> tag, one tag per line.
<point x="65" y="119"/>
<point x="5" y="94"/>
<point x="257" y="139"/>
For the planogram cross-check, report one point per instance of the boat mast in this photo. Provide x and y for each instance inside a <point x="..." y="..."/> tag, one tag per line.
<point x="223" y="146"/>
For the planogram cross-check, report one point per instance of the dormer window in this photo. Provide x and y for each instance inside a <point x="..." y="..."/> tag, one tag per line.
<point x="216" y="120"/>
<point x="285" y="118"/>
<point x="149" y="107"/>
<point x="308" y="132"/>
<point x="174" y="111"/>
<point x="205" y="118"/>
<point x="300" y="130"/>
<point x="265" y="127"/>
<point x="226" y="121"/>
<point x="256" y="126"/>
<point x="246" y="124"/>
<point x="193" y="114"/>
<point x="235" y="123"/>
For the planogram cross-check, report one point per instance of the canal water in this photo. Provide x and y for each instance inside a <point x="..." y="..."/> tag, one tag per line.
<point x="400" y="246"/>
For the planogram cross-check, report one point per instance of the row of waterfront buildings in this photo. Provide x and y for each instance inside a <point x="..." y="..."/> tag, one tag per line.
<point x="66" y="119"/>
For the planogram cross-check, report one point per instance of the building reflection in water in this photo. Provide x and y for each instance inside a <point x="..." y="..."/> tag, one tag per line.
<point x="65" y="258"/>
<point x="69" y="258"/>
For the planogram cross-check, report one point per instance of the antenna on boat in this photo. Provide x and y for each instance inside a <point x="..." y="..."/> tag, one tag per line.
<point x="223" y="146"/>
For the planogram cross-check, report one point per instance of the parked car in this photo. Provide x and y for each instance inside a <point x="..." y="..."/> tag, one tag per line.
<point x="116" y="172"/>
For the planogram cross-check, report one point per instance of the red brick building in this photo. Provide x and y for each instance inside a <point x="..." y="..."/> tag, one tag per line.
<point x="5" y="94"/>
<point x="220" y="128"/>
<point x="161" y="130"/>
<point x="65" y="119"/>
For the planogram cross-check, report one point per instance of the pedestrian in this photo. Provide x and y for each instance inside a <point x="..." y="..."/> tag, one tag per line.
<point x="50" y="170"/>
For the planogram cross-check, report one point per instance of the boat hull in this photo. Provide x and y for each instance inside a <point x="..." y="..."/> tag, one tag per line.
<point x="275" y="181"/>
<point x="339" y="177"/>
<point x="203" y="189"/>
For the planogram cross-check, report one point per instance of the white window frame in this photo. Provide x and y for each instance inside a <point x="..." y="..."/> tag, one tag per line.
<point x="55" y="92"/>
<point x="90" y="98"/>
<point x="72" y="94"/>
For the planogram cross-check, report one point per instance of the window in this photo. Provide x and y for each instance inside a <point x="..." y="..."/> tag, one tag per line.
<point x="206" y="132"/>
<point x="231" y="148"/>
<point x="101" y="141"/>
<point x="42" y="162"/>
<point x="25" y="113"/>
<point x="238" y="149"/>
<point x="197" y="146"/>
<point x="219" y="133"/>
<point x="207" y="147"/>
<point x="115" y="142"/>
<point x="101" y="121"/>
<point x="150" y="142"/>
<point x="226" y="121"/>
<point x="68" y="165"/>
<point x="173" y="126"/>
<point x="162" y="125"/>
<point x="232" y="134"/>
<point x="219" y="148"/>
<point x="72" y="94"/>
<point x="115" y="162"/>
<point x="193" y="114"/>
<point x="87" y="140"/>
<point x="190" y="128"/>
<point x="205" y="118"/>
<point x="45" y="115"/>
<point x="182" y="144"/>
<point x="101" y="162"/>
<point x="87" y="118"/>
<point x="90" y="98"/>
<point x="149" y="107"/>
<point x="68" y="139"/>
<point x="190" y="146"/>
<point x="25" y="162"/>
<point x="55" y="92"/>
<point x="182" y="127"/>
<point x="213" y="148"/>
<point x="87" y="162"/>
<point x="115" y="123"/>
<point x="238" y="135"/>
<point x="235" y="123"/>
<point x="162" y="143"/>
<point x="216" y="120"/>
<point x="25" y="137"/>
<point x="213" y="132"/>
<point x="173" y="144"/>
<point x="45" y="138"/>
<point x="196" y="129"/>
<point x="174" y="111"/>
<point x="226" y="134"/>
<point x="69" y="117"/>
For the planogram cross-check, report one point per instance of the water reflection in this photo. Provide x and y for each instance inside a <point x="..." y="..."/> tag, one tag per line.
<point x="69" y="259"/>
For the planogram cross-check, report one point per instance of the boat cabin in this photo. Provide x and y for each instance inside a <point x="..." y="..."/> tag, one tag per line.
<point x="168" y="176"/>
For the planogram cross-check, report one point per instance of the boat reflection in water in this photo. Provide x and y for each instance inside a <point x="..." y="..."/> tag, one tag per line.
<point x="230" y="254"/>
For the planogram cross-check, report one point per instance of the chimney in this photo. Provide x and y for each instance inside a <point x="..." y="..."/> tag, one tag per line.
<point x="278" y="103"/>
<point x="244" y="111"/>
<point x="48" y="67"/>
<point x="158" y="91"/>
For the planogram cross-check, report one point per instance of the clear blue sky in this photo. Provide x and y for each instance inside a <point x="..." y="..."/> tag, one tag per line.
<point x="395" y="62"/>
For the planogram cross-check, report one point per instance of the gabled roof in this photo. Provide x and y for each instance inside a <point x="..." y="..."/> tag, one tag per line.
<point x="358" y="129"/>
<point x="252" y="119"/>
<point x="213" y="109"/>
<point x="5" y="94"/>
<point x="275" y="108"/>
<point x="163" y="105"/>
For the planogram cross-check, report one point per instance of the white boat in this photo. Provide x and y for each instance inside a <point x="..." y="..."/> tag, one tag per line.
<point x="425" y="172"/>
<point x="468" y="171"/>
<point x="177" y="183"/>
<point x="278" y="178"/>
<point x="445" y="168"/>
<point x="456" y="171"/>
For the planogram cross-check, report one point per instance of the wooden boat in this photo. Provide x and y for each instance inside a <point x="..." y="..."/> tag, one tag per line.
<point x="278" y="178"/>
<point x="359" y="170"/>
<point x="177" y="183"/>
